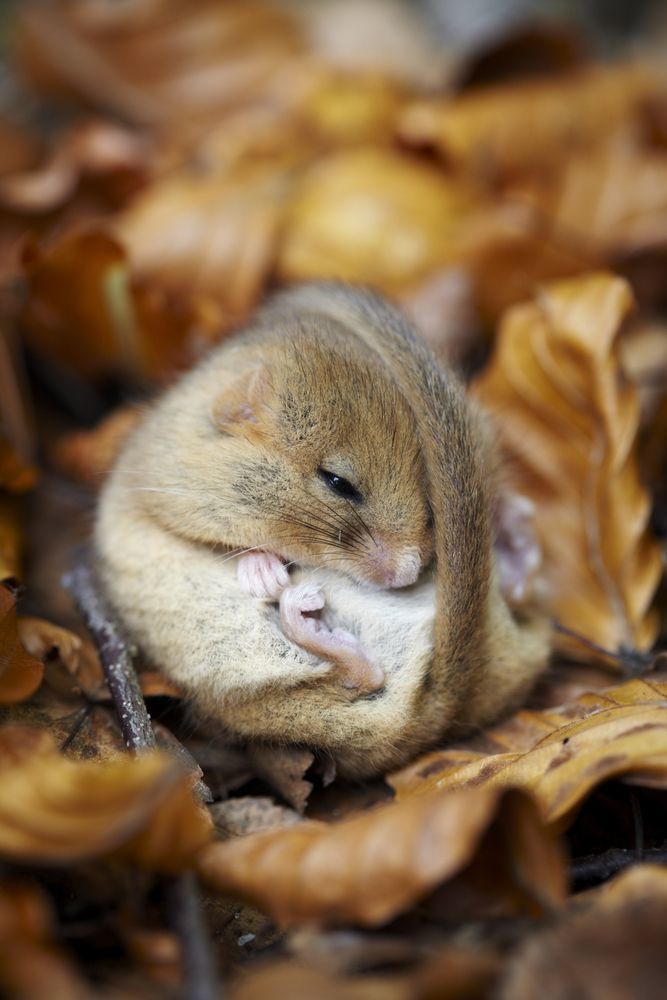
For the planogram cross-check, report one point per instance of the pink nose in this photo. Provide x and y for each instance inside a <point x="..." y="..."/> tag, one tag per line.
<point x="396" y="569"/>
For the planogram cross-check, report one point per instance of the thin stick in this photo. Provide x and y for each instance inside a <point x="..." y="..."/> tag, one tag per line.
<point x="596" y="868"/>
<point x="186" y="916"/>
<point x="133" y="717"/>
<point x="135" y="724"/>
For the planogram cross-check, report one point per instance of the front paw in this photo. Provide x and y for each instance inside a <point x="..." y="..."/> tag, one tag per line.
<point x="261" y="574"/>
<point x="356" y="668"/>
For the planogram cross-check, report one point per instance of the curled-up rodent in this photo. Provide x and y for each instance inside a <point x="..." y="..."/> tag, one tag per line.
<point x="267" y="537"/>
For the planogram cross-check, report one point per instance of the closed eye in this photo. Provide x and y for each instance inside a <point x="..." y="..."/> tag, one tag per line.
<point x="340" y="486"/>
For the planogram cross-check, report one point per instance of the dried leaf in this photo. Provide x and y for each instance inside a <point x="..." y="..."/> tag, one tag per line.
<point x="114" y="323"/>
<point x="17" y="470"/>
<point x="20" y="673"/>
<point x="374" y="866"/>
<point x="56" y="811"/>
<point x="158" y="62"/>
<point x="303" y="982"/>
<point x="529" y="126"/>
<point x="284" y="768"/>
<point x="251" y="814"/>
<point x="568" y="421"/>
<point x="373" y="216"/>
<point x="616" y="944"/>
<point x="87" y="456"/>
<point x="72" y="663"/>
<point x="94" y="150"/>
<point x="30" y="963"/>
<point x="227" y="249"/>
<point x="559" y="755"/>
<point x="11" y="540"/>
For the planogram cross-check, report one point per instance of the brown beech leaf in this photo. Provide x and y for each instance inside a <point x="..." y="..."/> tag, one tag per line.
<point x="374" y="866"/>
<point x="212" y="234"/>
<point x="568" y="419"/>
<point x="20" y="673"/>
<point x="157" y="62"/>
<point x="246" y="814"/>
<point x="375" y="216"/>
<point x="72" y="666"/>
<point x="58" y="811"/>
<point x="11" y="539"/>
<point x="529" y="125"/>
<point x="284" y="768"/>
<point x="558" y="755"/>
<point x="510" y="249"/>
<point x="17" y="469"/>
<point x="617" y="943"/>
<point x="30" y="963"/>
<point x="87" y="456"/>
<point x="95" y="150"/>
<point x="115" y="322"/>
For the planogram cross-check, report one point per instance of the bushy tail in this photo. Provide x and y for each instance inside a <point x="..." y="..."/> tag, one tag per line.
<point x="459" y="485"/>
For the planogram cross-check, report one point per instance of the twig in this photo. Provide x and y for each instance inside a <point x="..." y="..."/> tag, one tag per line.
<point x="133" y="717"/>
<point x="632" y="662"/>
<point x="186" y="917"/>
<point x="597" y="868"/>
<point x="116" y="658"/>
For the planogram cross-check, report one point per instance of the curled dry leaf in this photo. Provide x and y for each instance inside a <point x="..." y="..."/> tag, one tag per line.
<point x="373" y="216"/>
<point x="509" y="249"/>
<point x="210" y="235"/>
<point x="155" y="63"/>
<point x="95" y="150"/>
<point x="568" y="420"/>
<point x="114" y="323"/>
<point x="559" y="755"/>
<point x="616" y="944"/>
<point x="11" y="539"/>
<point x="17" y="469"/>
<point x="56" y="811"/>
<point x="285" y="769"/>
<point x="251" y="814"/>
<point x="87" y="456"/>
<point x="30" y="963"/>
<point x="529" y="126"/>
<point x="20" y="673"/>
<point x="374" y="866"/>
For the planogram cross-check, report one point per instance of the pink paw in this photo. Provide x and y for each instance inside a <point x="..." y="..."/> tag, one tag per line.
<point x="357" y="669"/>
<point x="261" y="574"/>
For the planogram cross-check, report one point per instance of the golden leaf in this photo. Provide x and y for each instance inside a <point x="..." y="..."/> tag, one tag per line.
<point x="30" y="963"/>
<point x="529" y="125"/>
<point x="56" y="811"/>
<point x="613" y="939"/>
<point x="87" y="456"/>
<point x="20" y="673"/>
<point x="568" y="420"/>
<point x="115" y="322"/>
<point x="156" y="63"/>
<point x="212" y="235"/>
<point x="374" y="866"/>
<point x="373" y="216"/>
<point x="559" y="756"/>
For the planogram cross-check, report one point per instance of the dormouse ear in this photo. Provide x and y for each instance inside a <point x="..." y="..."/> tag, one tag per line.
<point x="517" y="548"/>
<point x="239" y="407"/>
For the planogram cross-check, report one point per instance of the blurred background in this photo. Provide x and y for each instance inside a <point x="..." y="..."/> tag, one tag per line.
<point x="164" y="165"/>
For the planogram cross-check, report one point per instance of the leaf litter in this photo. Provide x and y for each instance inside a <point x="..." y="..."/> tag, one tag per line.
<point x="192" y="162"/>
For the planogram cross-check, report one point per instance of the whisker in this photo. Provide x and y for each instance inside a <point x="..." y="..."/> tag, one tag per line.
<point x="335" y="527"/>
<point x="234" y="553"/>
<point x="361" y="520"/>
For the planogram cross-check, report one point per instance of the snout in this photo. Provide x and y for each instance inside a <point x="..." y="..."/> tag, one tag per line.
<point x="395" y="567"/>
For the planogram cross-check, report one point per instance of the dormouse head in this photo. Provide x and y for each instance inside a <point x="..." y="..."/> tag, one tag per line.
<point x="324" y="461"/>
